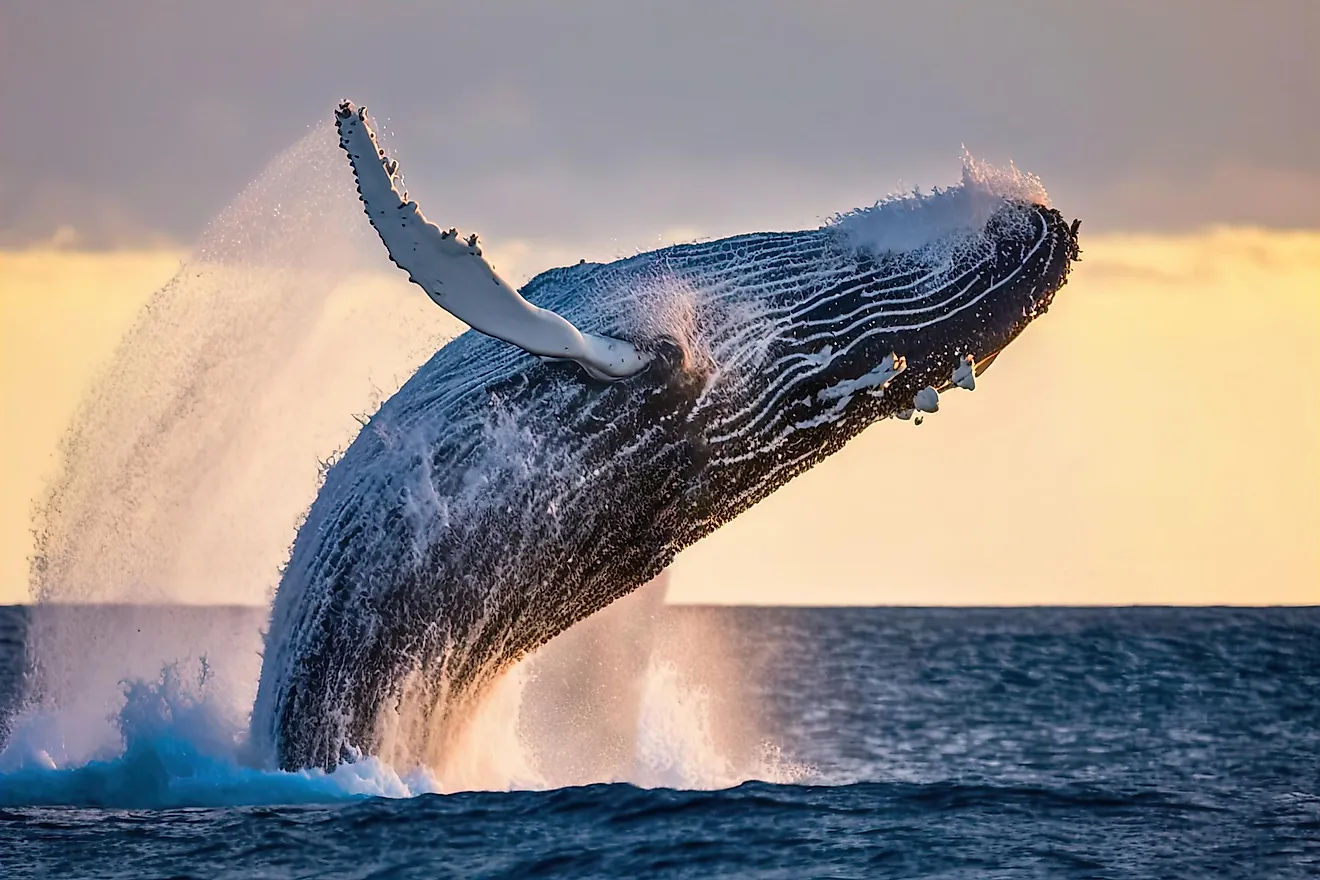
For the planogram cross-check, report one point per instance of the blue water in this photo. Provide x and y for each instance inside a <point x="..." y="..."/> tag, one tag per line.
<point x="938" y="743"/>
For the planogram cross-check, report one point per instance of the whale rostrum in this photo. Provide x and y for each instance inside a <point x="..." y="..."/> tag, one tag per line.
<point x="456" y="276"/>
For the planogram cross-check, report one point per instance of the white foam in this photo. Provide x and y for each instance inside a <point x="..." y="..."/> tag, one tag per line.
<point x="629" y="695"/>
<point x="179" y="747"/>
<point x="933" y="224"/>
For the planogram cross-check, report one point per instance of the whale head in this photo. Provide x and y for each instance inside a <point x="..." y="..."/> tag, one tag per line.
<point x="806" y="338"/>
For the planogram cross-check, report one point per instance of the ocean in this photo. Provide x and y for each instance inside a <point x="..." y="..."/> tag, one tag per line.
<point x="767" y="742"/>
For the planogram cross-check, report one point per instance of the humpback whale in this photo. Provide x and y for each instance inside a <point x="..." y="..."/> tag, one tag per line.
<point x="592" y="424"/>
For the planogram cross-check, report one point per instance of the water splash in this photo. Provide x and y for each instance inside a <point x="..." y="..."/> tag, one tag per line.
<point x="622" y="698"/>
<point x="942" y="224"/>
<point x="180" y="747"/>
<point x="193" y="456"/>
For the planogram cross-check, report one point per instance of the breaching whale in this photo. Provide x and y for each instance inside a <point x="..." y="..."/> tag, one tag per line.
<point x="601" y="419"/>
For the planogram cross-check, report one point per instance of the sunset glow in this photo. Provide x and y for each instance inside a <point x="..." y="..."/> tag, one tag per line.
<point x="1130" y="434"/>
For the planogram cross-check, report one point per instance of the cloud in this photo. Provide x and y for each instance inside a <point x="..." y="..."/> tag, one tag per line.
<point x="140" y="118"/>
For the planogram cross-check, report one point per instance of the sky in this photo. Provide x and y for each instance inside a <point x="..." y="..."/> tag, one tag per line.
<point x="1153" y="439"/>
<point x="136" y="120"/>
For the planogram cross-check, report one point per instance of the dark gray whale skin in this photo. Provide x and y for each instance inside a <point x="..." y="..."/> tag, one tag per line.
<point x="496" y="498"/>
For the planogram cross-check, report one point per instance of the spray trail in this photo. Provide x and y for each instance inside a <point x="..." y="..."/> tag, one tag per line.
<point x="196" y="451"/>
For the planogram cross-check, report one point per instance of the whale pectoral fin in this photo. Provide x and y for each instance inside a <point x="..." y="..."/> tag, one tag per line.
<point x="453" y="272"/>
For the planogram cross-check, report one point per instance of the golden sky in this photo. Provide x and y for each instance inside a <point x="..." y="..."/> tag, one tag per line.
<point x="1154" y="439"/>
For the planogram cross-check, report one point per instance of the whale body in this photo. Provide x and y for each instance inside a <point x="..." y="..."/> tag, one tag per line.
<point x="505" y="493"/>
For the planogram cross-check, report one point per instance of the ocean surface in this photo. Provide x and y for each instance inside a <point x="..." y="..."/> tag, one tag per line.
<point x="891" y="743"/>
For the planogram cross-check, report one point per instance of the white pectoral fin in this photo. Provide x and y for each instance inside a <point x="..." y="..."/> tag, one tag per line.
<point x="454" y="274"/>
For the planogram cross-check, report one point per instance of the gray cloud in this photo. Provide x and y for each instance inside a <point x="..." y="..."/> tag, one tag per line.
<point x="140" y="118"/>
